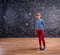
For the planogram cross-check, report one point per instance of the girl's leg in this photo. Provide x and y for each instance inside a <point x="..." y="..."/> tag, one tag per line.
<point x="39" y="38"/>
<point x="42" y="38"/>
<point x="40" y="41"/>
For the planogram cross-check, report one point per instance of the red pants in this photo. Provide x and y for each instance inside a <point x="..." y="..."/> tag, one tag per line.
<point x="40" y="34"/>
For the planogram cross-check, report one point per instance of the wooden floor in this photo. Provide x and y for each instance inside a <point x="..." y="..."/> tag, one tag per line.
<point x="28" y="46"/>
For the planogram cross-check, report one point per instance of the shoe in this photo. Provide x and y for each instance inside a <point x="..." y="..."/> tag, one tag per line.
<point x="39" y="49"/>
<point x="44" y="48"/>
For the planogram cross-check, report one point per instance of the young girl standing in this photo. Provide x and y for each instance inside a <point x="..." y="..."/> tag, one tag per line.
<point x="39" y="29"/>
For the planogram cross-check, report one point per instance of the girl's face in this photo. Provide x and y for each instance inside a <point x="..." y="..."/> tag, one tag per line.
<point x="38" y="16"/>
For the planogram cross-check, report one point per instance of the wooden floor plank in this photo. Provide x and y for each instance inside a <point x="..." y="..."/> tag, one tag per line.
<point x="28" y="46"/>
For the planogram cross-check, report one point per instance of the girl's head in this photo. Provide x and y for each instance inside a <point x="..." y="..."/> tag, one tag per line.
<point x="38" y="16"/>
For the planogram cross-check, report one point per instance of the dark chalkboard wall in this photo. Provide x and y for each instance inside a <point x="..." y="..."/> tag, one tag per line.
<point x="17" y="17"/>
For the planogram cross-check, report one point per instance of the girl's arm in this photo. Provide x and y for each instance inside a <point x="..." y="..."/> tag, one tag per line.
<point x="43" y="23"/>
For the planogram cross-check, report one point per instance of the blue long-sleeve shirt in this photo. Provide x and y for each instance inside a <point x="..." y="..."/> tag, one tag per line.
<point x="39" y="24"/>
